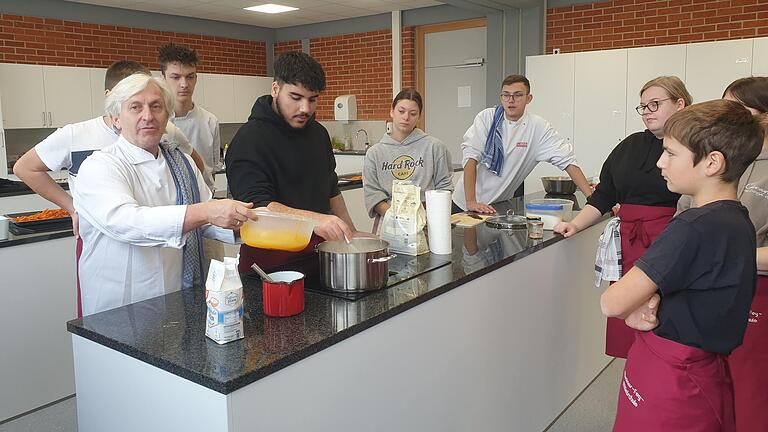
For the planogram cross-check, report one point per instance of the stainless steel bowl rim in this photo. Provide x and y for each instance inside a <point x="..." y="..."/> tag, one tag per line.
<point x="356" y="245"/>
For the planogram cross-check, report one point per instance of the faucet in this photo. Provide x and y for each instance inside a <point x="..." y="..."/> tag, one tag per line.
<point x="367" y="143"/>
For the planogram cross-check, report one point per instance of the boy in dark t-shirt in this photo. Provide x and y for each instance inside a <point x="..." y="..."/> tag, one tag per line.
<point x="694" y="285"/>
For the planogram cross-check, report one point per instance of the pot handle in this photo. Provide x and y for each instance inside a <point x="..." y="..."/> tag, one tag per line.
<point x="382" y="259"/>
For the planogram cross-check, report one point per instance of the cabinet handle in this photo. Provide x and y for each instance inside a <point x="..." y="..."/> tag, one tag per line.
<point x="50" y="119"/>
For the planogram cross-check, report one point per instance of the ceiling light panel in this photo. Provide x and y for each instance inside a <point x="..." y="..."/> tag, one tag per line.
<point x="271" y="8"/>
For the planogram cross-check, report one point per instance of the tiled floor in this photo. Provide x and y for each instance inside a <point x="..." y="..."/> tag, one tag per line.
<point x="593" y="411"/>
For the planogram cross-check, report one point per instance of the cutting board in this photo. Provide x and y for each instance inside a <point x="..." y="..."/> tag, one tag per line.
<point x="465" y="221"/>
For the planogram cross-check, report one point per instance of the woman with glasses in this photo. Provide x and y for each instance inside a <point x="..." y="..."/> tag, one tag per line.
<point x="748" y="363"/>
<point x="630" y="177"/>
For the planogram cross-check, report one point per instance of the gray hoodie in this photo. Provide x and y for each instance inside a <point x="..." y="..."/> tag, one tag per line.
<point x="421" y="159"/>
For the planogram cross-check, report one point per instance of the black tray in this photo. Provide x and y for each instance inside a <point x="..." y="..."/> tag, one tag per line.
<point x="37" y="223"/>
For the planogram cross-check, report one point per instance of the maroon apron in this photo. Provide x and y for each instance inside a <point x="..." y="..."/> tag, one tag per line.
<point x="749" y="366"/>
<point x="270" y="260"/>
<point x="640" y="225"/>
<point x="667" y="386"/>
<point x="78" y="252"/>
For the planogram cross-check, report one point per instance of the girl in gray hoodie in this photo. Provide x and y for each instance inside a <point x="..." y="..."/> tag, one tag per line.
<point x="406" y="153"/>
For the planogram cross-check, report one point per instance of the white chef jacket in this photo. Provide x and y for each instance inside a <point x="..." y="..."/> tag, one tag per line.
<point x="130" y="225"/>
<point x="202" y="129"/>
<point x="67" y="147"/>
<point x="527" y="142"/>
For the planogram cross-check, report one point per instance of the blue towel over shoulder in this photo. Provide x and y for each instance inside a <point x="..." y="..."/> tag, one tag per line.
<point x="493" y="154"/>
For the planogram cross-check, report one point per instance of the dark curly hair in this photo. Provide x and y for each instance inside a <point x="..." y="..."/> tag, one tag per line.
<point x="295" y="67"/>
<point x="170" y="53"/>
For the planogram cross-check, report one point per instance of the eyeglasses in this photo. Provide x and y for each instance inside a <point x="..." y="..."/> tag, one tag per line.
<point x="652" y="106"/>
<point x="516" y="97"/>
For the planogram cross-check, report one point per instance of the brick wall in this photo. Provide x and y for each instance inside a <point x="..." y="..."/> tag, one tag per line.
<point x="359" y="64"/>
<point x="281" y="47"/>
<point x="46" y="41"/>
<point x="636" y="23"/>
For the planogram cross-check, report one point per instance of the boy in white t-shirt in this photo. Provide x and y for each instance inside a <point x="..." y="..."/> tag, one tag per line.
<point x="179" y="67"/>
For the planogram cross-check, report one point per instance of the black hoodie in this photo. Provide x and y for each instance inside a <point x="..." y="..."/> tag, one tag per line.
<point x="268" y="160"/>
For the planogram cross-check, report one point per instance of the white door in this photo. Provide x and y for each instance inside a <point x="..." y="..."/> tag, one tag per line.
<point x="454" y="84"/>
<point x="97" y="76"/>
<point x="645" y="64"/>
<point x="760" y="57"/>
<point x="600" y="103"/>
<point x="711" y="66"/>
<point x="65" y="90"/>
<point x="247" y="90"/>
<point x="551" y="78"/>
<point x="23" y="99"/>
<point x="219" y="92"/>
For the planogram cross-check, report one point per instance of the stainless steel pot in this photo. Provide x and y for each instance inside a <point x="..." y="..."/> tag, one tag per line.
<point x="558" y="185"/>
<point x="360" y="265"/>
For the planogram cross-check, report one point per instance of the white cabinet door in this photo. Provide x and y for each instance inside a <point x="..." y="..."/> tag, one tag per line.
<point x="97" y="76"/>
<point x="551" y="78"/>
<point x="600" y="102"/>
<point x="199" y="95"/>
<point x="645" y="64"/>
<point x="23" y="99"/>
<point x="711" y="66"/>
<point x="67" y="94"/>
<point x="219" y="92"/>
<point x="760" y="57"/>
<point x="247" y="90"/>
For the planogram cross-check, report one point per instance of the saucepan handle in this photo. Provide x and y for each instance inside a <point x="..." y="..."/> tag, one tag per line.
<point x="382" y="259"/>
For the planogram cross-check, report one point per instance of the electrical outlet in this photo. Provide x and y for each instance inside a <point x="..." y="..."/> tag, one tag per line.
<point x="389" y="127"/>
<point x="556" y="51"/>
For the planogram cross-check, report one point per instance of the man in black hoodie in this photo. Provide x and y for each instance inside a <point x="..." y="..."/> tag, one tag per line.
<point x="282" y="157"/>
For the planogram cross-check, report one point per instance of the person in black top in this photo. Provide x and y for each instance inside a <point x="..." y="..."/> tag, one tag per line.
<point x="695" y="283"/>
<point x="630" y="177"/>
<point x="282" y="158"/>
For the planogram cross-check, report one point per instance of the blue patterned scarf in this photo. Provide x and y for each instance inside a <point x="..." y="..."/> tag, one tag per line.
<point x="493" y="154"/>
<point x="187" y="192"/>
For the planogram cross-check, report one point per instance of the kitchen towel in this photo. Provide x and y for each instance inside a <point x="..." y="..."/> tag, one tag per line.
<point x="439" y="221"/>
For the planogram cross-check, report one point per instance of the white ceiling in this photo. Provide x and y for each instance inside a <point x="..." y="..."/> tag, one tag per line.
<point x="310" y="11"/>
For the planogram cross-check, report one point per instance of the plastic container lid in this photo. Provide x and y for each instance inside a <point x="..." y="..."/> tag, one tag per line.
<point x="550" y="207"/>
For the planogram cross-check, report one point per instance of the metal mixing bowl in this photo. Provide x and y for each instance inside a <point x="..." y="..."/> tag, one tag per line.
<point x="558" y="185"/>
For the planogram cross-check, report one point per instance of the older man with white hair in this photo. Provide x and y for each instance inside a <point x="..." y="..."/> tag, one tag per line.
<point x="145" y="207"/>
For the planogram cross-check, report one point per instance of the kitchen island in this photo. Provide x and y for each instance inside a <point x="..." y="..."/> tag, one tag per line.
<point x="503" y="337"/>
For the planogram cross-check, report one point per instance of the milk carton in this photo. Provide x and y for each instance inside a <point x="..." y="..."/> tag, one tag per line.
<point x="224" y="298"/>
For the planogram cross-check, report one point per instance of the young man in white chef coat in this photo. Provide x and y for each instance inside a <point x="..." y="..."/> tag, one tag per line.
<point x="179" y="67"/>
<point x="503" y="146"/>
<point x="70" y="145"/>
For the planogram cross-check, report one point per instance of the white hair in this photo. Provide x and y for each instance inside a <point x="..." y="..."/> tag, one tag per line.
<point x="131" y="85"/>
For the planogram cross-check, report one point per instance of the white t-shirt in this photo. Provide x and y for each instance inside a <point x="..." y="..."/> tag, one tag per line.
<point x="202" y="129"/>
<point x="67" y="147"/>
<point x="130" y="225"/>
<point x="527" y="142"/>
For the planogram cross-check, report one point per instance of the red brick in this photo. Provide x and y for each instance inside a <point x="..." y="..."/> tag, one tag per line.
<point x="691" y="37"/>
<point x="667" y="40"/>
<point x="729" y="26"/>
<point x="716" y="35"/>
<point x="751" y="32"/>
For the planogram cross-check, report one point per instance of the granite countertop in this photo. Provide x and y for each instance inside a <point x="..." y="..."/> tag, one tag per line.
<point x="169" y="331"/>
<point x="20" y="239"/>
<point x="350" y="152"/>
